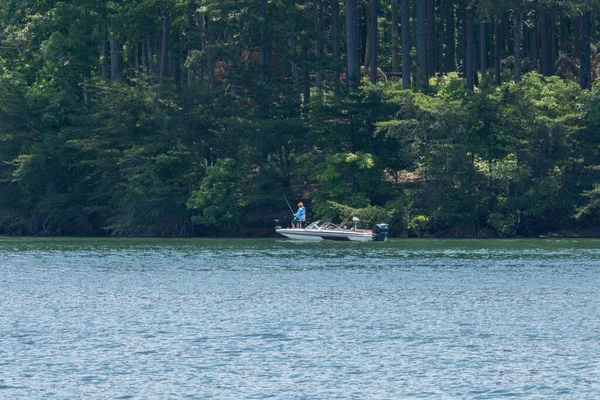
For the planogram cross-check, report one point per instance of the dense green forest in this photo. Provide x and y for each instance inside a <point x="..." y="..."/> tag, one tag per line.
<point x="196" y="117"/>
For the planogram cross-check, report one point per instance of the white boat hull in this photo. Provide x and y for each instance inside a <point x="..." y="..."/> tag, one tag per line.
<point x="323" y="234"/>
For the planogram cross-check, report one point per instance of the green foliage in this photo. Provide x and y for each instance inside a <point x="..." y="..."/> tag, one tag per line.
<point x="237" y="118"/>
<point x="450" y="87"/>
<point x="500" y="160"/>
<point x="592" y="206"/>
<point x="406" y="217"/>
<point x="348" y="178"/>
<point x="151" y="194"/>
<point x="220" y="198"/>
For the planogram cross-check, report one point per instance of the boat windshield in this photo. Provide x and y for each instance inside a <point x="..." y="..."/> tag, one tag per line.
<point x="330" y="226"/>
<point x="313" y="225"/>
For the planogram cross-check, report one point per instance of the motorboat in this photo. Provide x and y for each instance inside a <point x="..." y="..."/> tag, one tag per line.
<point x="330" y="231"/>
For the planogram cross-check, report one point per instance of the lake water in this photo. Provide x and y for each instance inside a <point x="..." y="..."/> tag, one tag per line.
<point x="238" y="319"/>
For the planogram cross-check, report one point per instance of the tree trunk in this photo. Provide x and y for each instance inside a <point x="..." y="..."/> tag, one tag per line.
<point x="265" y="49"/>
<point x="509" y="26"/>
<point x="210" y="63"/>
<point x="364" y="41"/>
<point x="595" y="15"/>
<point x="150" y="56"/>
<point x="395" y="46"/>
<point x="448" y="39"/>
<point x="373" y="39"/>
<point x="115" y="56"/>
<point x="164" y="49"/>
<point x="430" y="37"/>
<point x="405" y="17"/>
<point x="104" y="59"/>
<point x="565" y="28"/>
<point x="462" y="18"/>
<point x="421" y="44"/>
<point x="176" y="68"/>
<point x="469" y="62"/>
<point x="352" y="43"/>
<point x="585" y="77"/>
<point x="144" y="61"/>
<point x="497" y="52"/>
<point x="295" y="76"/>
<point x="318" y="16"/>
<point x="546" y="44"/>
<point x="517" y="46"/>
<point x="483" y="52"/>
<point x="189" y="71"/>
<point x="577" y="44"/>
<point x="335" y="38"/>
<point x="86" y="97"/>
<point x="305" y="77"/>
<point x="525" y="40"/>
<point x="136" y="61"/>
<point x="553" y="42"/>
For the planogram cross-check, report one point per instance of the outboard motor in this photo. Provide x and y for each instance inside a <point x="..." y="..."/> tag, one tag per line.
<point x="380" y="232"/>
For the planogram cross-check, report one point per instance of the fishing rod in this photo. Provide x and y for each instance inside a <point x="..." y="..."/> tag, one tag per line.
<point x="288" y="203"/>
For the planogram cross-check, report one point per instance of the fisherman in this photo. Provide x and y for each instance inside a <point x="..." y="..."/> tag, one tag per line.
<point x="299" y="217"/>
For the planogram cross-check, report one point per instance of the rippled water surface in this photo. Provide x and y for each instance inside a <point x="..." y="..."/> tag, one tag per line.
<point x="232" y="319"/>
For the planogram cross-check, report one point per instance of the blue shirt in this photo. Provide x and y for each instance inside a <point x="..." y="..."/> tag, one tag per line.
<point x="301" y="214"/>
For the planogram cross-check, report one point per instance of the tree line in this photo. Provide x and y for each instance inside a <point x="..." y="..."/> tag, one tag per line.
<point x="196" y="117"/>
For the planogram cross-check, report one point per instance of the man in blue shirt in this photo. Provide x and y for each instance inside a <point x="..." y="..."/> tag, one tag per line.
<point x="299" y="217"/>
